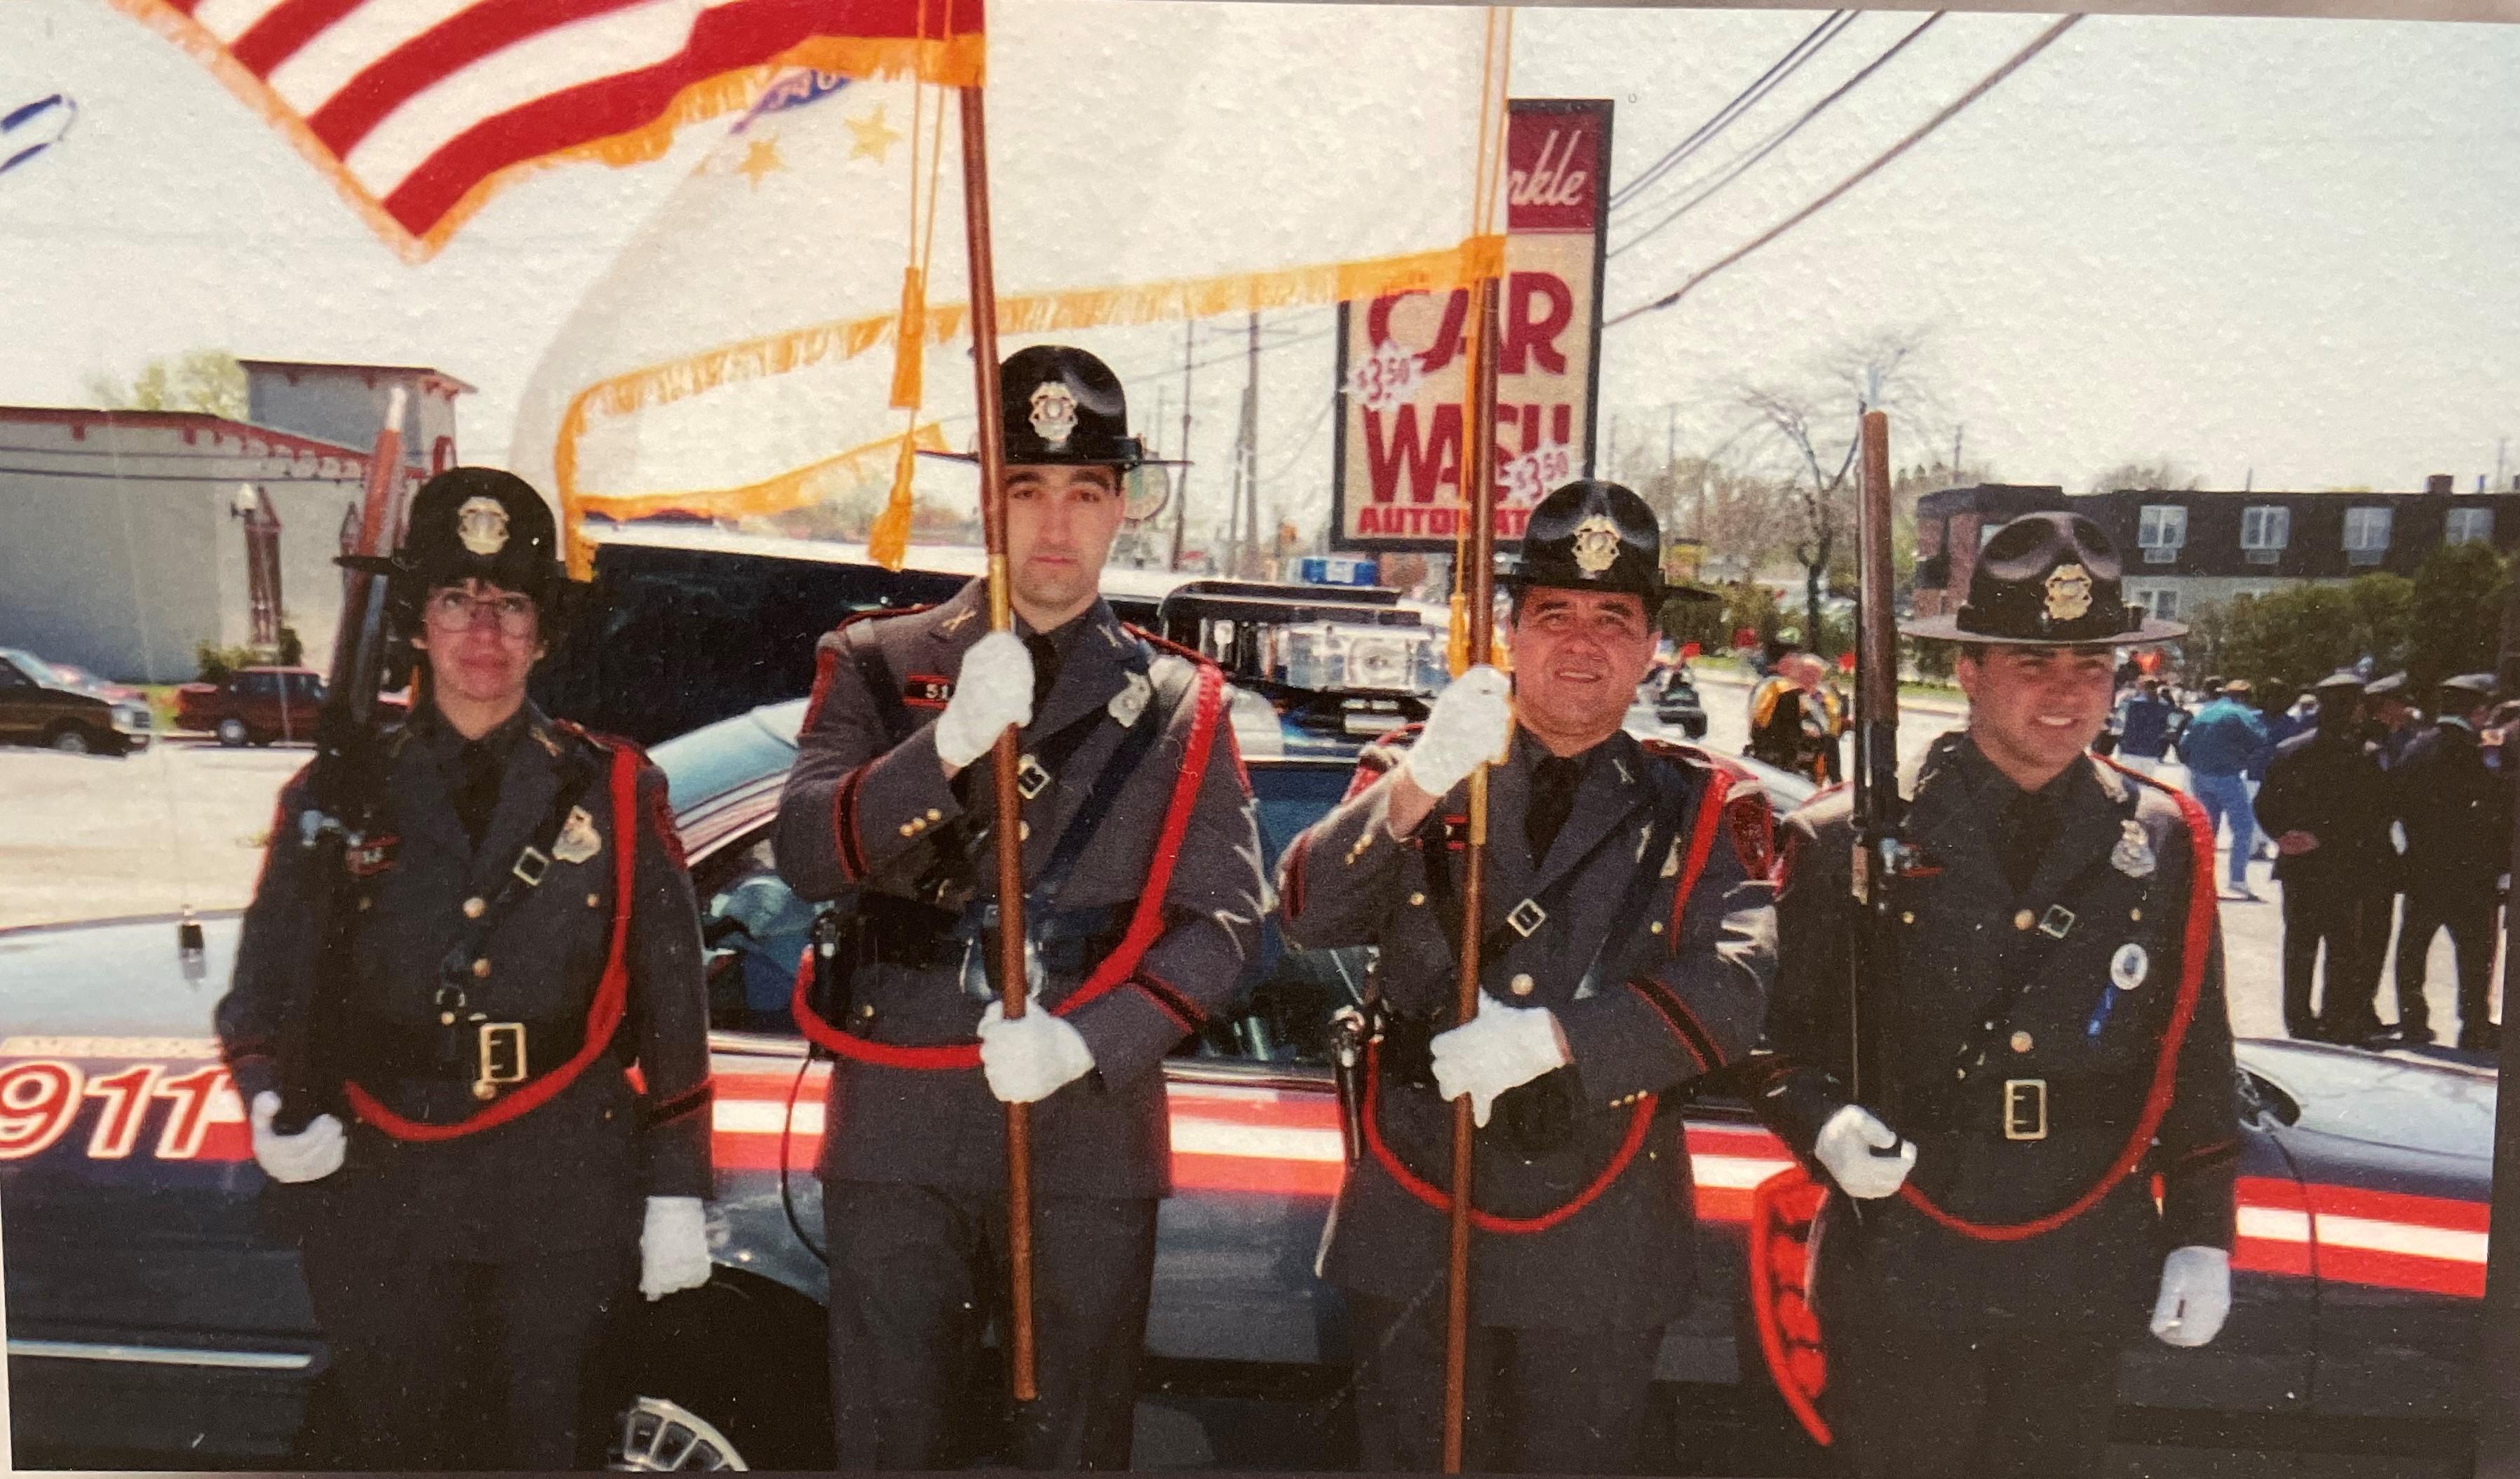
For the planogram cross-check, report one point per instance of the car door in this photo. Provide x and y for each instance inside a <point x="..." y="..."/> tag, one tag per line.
<point x="21" y="705"/>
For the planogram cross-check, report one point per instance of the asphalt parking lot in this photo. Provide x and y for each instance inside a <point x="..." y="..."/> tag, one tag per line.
<point x="86" y="837"/>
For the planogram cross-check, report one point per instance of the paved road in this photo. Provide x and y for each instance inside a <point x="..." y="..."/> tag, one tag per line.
<point x="2252" y="933"/>
<point x="87" y="837"/>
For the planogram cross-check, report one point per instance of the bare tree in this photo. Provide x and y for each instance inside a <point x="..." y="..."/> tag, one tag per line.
<point x="1812" y="427"/>
<point x="2164" y="474"/>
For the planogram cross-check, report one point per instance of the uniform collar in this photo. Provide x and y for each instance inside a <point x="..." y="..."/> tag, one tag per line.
<point x="442" y="742"/>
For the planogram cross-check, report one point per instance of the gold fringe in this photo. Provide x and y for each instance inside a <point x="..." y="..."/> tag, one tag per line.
<point x="808" y="484"/>
<point x="794" y="349"/>
<point x="957" y="62"/>
<point x="908" y="352"/>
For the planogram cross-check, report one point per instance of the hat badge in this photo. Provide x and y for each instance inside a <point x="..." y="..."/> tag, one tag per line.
<point x="1054" y="414"/>
<point x="1596" y="543"/>
<point x="482" y="524"/>
<point x="2069" y="593"/>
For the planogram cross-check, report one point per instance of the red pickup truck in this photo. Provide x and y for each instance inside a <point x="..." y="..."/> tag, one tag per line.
<point x="258" y="705"/>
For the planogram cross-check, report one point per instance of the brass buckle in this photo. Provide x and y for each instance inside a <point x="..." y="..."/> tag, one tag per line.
<point x="1527" y="917"/>
<point x="1031" y="778"/>
<point x="2025" y="1109"/>
<point x="501" y="1057"/>
<point x="2057" y="921"/>
<point x="531" y="865"/>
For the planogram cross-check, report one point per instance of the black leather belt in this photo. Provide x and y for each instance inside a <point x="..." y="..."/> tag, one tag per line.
<point x="2025" y="1107"/>
<point x="484" y="1055"/>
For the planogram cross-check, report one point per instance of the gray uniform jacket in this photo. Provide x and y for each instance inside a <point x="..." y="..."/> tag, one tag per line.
<point x="574" y="1171"/>
<point x="866" y="815"/>
<point x="2094" y="952"/>
<point x="1678" y="990"/>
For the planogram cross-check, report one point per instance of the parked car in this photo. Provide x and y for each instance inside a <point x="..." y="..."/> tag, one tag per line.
<point x="1675" y="702"/>
<point x="253" y="705"/>
<point x="152" y="1316"/>
<point x="38" y="706"/>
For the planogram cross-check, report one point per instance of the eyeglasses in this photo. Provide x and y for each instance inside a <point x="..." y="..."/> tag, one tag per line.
<point x="514" y="614"/>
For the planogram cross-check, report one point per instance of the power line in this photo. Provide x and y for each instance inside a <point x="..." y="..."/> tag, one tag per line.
<point x="1984" y="86"/>
<point x="1780" y="69"/>
<point x="1778" y="139"/>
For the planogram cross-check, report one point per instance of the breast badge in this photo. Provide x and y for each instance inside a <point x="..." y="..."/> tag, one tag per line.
<point x="2133" y="856"/>
<point x="2129" y="967"/>
<point x="578" y="840"/>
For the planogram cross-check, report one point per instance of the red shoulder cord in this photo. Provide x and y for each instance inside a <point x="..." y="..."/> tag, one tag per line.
<point x="2198" y="943"/>
<point x="1710" y="814"/>
<point x="603" y="1016"/>
<point x="1145" y="923"/>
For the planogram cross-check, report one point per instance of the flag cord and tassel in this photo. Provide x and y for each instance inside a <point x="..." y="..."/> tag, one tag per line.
<point x="888" y="538"/>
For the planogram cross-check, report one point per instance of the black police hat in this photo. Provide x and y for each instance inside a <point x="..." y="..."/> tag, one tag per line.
<point x="2469" y="690"/>
<point x="473" y="523"/>
<point x="2047" y="580"/>
<point x="1590" y="535"/>
<point x="2342" y="681"/>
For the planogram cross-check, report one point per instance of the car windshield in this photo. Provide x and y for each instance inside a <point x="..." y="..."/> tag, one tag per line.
<point x="32" y="668"/>
<point x="717" y="758"/>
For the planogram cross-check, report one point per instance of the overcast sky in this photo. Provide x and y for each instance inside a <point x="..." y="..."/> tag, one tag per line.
<point x="2268" y="250"/>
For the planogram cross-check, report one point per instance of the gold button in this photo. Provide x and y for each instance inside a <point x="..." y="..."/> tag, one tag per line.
<point x="1655" y="928"/>
<point x="2022" y="921"/>
<point x="1907" y="917"/>
<point x="595" y="901"/>
<point x="2021" y="1042"/>
<point x="1520" y="985"/>
<point x="365" y="904"/>
<point x="481" y="968"/>
<point x="933" y="814"/>
<point x="1415" y="900"/>
<point x="907" y="827"/>
<point x="472" y="908"/>
<point x="1023" y="832"/>
<point x="2135" y="914"/>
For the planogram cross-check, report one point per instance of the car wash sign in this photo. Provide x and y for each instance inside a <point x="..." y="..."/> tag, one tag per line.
<point x="1403" y="382"/>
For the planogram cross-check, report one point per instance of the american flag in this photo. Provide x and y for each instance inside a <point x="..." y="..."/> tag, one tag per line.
<point x="420" y="110"/>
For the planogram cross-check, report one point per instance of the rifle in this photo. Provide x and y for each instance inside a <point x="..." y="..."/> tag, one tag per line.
<point x="1880" y="813"/>
<point x="340" y="782"/>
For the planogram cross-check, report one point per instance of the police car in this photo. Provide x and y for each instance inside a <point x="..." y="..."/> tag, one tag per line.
<point x="153" y="1319"/>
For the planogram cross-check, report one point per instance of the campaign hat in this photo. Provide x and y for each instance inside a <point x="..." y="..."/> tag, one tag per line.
<point x="2047" y="579"/>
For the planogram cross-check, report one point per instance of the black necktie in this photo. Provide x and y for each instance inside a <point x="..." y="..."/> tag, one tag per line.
<point x="1045" y="670"/>
<point x="1553" y="797"/>
<point x="477" y="788"/>
<point x="2029" y="830"/>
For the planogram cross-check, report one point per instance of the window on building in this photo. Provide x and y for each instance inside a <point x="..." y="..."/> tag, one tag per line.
<point x="2366" y="535"/>
<point x="2160" y="533"/>
<point x="2161" y="602"/>
<point x="2469" y="527"/>
<point x="2265" y="530"/>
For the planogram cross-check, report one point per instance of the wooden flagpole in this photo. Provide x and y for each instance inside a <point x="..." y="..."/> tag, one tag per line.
<point x="1003" y="756"/>
<point x="1477" y="580"/>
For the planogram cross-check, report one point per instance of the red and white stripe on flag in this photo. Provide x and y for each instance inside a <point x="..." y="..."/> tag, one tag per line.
<point x="420" y="110"/>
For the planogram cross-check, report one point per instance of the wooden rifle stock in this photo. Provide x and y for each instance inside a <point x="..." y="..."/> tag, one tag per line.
<point x="1879" y="811"/>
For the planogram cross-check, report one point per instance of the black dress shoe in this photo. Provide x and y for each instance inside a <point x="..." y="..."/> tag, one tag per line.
<point x="2484" y="1037"/>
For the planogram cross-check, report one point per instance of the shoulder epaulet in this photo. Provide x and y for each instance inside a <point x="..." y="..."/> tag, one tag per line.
<point x="610" y="744"/>
<point x="876" y="613"/>
<point x="1162" y="645"/>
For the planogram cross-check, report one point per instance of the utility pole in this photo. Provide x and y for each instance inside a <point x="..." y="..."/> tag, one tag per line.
<point x="1957" y="432"/>
<point x="1251" y="452"/>
<point x="1181" y="480"/>
<point x="2500" y="443"/>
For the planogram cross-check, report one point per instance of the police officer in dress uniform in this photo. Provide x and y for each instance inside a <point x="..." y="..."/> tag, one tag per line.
<point x="2050" y="1046"/>
<point x="2326" y="805"/>
<point x="2457" y="817"/>
<point x="522" y="937"/>
<point x="1629" y="936"/>
<point x="1143" y="899"/>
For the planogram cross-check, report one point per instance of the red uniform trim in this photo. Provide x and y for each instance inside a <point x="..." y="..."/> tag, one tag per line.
<point x="2198" y="943"/>
<point x="1145" y="923"/>
<point x="1640" y="1123"/>
<point x="824" y="660"/>
<point x="603" y="1016"/>
<point x="1710" y="813"/>
<point x="1295" y="851"/>
<point x="847" y="850"/>
<point x="1681" y="1021"/>
<point x="1167" y="995"/>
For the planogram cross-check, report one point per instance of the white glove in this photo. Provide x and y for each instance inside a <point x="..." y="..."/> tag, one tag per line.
<point x="1846" y="1147"/>
<point x="992" y="691"/>
<point x="1471" y="721"/>
<point x="1502" y="1047"/>
<point x="311" y="1155"/>
<point x="1031" y="1058"/>
<point x="673" y="1247"/>
<point x="2195" y="1296"/>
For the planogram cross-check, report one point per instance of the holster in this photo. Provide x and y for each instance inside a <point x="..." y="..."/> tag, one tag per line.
<point x="839" y="946"/>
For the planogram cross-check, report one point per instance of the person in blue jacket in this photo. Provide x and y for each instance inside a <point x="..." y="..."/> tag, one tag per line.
<point x="2143" y="727"/>
<point x="2218" y="745"/>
